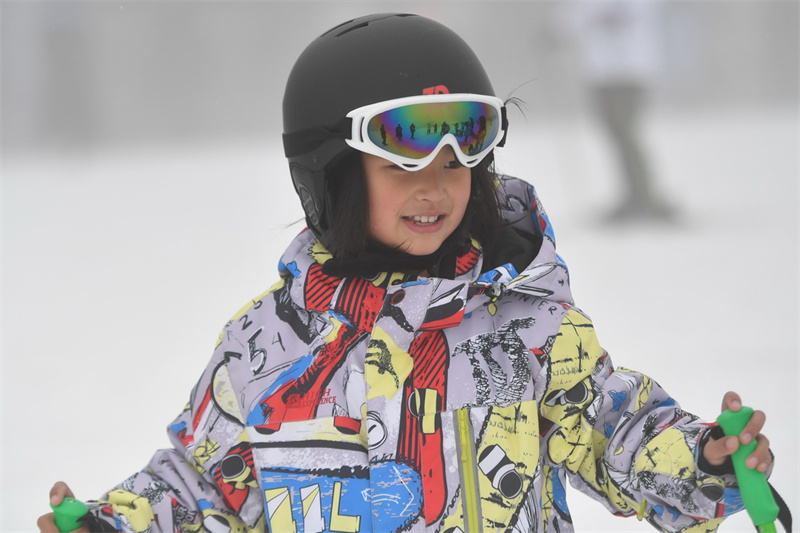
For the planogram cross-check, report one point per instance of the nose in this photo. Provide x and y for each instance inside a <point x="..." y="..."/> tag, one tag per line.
<point x="430" y="183"/>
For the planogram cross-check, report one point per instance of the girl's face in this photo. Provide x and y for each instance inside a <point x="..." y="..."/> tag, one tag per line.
<point x="416" y="211"/>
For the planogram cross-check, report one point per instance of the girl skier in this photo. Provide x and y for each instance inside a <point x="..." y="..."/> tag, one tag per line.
<point x="420" y="364"/>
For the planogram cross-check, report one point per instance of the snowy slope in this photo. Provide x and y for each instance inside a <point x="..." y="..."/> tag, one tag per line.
<point x="119" y="269"/>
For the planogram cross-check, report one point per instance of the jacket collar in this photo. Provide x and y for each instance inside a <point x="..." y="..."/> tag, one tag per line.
<point x="545" y="277"/>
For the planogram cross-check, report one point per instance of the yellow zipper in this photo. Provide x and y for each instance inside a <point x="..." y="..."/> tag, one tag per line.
<point x="468" y="470"/>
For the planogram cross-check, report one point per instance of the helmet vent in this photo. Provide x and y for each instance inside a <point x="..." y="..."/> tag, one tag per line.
<point x="356" y="27"/>
<point x="366" y="23"/>
<point x="337" y="27"/>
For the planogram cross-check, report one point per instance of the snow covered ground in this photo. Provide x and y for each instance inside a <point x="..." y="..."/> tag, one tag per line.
<point x="120" y="268"/>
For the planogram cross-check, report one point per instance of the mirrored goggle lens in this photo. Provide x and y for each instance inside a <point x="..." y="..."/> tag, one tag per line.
<point x="415" y="130"/>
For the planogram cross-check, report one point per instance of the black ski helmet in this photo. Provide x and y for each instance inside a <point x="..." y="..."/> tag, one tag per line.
<point x="363" y="61"/>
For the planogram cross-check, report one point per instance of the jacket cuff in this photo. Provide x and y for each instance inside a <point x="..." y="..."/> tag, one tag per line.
<point x="94" y="523"/>
<point x="725" y="468"/>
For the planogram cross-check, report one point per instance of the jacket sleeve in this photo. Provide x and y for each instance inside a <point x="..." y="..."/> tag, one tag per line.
<point x="624" y="441"/>
<point x="205" y="482"/>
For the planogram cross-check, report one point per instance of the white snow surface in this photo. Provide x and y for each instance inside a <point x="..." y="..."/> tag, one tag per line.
<point x="120" y="268"/>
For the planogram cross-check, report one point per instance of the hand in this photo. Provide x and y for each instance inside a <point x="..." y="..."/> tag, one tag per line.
<point x="717" y="451"/>
<point x="47" y="522"/>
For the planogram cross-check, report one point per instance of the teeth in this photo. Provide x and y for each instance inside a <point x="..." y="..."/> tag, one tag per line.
<point x="425" y="219"/>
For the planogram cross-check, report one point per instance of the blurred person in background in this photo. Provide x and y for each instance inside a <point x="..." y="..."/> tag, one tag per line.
<point x="618" y="44"/>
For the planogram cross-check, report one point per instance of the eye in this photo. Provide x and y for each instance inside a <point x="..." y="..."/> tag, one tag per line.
<point x="454" y="164"/>
<point x="393" y="167"/>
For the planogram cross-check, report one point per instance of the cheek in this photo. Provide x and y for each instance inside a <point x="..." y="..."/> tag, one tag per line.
<point x="462" y="193"/>
<point x="382" y="207"/>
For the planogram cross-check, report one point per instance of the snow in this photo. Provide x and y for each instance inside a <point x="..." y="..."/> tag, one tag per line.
<point x="120" y="268"/>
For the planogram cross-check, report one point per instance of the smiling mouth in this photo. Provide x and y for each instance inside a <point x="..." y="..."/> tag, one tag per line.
<point x="425" y="220"/>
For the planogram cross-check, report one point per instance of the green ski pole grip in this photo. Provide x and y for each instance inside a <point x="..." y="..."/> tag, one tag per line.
<point x="756" y="492"/>
<point x="68" y="514"/>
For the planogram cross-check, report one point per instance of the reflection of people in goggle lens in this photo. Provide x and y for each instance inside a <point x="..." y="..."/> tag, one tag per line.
<point x="464" y="132"/>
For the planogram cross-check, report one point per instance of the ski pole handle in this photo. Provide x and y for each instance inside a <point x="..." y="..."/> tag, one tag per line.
<point x="756" y="492"/>
<point x="68" y="514"/>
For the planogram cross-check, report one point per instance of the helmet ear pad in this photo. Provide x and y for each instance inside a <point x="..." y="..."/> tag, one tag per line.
<point x="310" y="179"/>
<point x="309" y="186"/>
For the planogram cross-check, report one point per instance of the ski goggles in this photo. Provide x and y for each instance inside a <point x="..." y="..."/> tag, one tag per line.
<point x="410" y="131"/>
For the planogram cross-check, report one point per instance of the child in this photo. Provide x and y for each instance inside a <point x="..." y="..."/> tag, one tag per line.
<point x="420" y="364"/>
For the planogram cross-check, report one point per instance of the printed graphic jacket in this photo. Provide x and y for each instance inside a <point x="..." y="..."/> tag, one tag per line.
<point x="406" y="403"/>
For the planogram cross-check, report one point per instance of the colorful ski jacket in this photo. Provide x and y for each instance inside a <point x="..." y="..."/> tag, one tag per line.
<point x="405" y="403"/>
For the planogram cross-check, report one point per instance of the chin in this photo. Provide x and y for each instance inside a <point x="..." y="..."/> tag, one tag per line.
<point x="423" y="249"/>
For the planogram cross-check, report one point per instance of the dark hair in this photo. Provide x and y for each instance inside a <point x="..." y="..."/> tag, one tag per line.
<point x="349" y="232"/>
